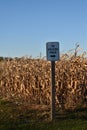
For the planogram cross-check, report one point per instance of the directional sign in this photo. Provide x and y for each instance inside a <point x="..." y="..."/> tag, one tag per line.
<point x="52" y="50"/>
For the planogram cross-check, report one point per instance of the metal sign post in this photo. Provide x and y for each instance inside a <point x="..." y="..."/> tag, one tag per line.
<point x="53" y="90"/>
<point x="52" y="50"/>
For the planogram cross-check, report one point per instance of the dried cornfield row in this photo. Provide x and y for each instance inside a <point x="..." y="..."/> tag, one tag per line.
<point x="29" y="80"/>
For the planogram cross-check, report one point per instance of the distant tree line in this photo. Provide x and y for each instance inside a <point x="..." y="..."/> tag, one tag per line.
<point x="5" y="58"/>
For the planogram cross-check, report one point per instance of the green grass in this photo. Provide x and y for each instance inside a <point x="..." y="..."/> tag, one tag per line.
<point x="19" y="117"/>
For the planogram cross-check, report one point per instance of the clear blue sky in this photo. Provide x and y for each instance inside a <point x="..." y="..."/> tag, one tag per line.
<point x="26" y="25"/>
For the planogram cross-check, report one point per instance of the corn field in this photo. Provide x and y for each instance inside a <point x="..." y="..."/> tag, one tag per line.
<point x="29" y="80"/>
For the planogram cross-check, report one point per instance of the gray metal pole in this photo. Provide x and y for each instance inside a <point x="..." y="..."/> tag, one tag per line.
<point x="53" y="90"/>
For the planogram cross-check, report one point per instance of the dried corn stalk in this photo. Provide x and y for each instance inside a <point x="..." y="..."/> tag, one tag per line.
<point x="28" y="80"/>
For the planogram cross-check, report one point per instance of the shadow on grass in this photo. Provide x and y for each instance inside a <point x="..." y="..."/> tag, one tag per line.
<point x="19" y="117"/>
<point x="79" y="113"/>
